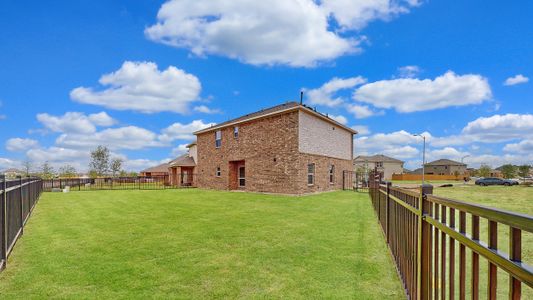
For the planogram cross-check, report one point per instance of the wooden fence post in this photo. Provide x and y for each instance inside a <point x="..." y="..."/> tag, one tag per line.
<point x="424" y="245"/>
<point x="3" y="226"/>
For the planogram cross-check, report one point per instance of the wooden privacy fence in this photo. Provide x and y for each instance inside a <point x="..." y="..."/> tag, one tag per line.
<point x="422" y="234"/>
<point x="17" y="200"/>
<point x="121" y="183"/>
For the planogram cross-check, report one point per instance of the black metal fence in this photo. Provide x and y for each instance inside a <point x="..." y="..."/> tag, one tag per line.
<point x="121" y="183"/>
<point x="17" y="200"/>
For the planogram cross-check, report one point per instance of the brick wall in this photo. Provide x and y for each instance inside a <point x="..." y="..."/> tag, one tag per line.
<point x="273" y="162"/>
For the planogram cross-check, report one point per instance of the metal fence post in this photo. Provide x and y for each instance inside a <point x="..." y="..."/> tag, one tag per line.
<point x="387" y="215"/>
<point x="21" y="206"/>
<point x="3" y="226"/>
<point x="424" y="244"/>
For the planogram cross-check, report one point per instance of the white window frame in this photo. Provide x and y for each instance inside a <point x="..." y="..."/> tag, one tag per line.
<point x="218" y="138"/>
<point x="331" y="174"/>
<point x="312" y="174"/>
<point x="379" y="164"/>
<point x="236" y="132"/>
<point x="218" y="172"/>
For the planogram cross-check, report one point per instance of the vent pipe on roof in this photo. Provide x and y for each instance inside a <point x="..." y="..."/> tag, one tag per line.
<point x="301" y="97"/>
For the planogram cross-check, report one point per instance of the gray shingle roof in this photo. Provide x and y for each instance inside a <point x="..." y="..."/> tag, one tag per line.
<point x="445" y="162"/>
<point x="183" y="161"/>
<point x="376" y="158"/>
<point x="158" y="168"/>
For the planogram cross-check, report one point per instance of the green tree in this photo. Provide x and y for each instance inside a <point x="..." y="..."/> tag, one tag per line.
<point x="67" y="171"/>
<point x="484" y="171"/>
<point x="508" y="171"/>
<point x="99" y="161"/>
<point x="523" y="171"/>
<point x="116" y="166"/>
<point x="47" y="171"/>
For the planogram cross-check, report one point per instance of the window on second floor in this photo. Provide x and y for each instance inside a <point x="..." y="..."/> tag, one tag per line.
<point x="379" y="164"/>
<point x="218" y="173"/>
<point x="218" y="139"/>
<point x="236" y="131"/>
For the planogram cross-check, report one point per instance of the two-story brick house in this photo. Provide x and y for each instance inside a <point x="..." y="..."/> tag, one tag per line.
<point x="289" y="148"/>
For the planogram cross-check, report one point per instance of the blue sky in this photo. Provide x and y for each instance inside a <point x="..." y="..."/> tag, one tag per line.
<point x="140" y="76"/>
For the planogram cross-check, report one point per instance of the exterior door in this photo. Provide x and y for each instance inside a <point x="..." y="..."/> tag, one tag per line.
<point x="242" y="176"/>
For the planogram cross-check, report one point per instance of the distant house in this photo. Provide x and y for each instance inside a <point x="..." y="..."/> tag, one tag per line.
<point x="12" y="173"/>
<point x="289" y="148"/>
<point x="445" y="167"/>
<point x="383" y="163"/>
<point x="159" y="170"/>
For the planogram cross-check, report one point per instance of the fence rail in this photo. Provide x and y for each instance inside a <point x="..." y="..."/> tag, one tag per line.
<point x="121" y="183"/>
<point x="17" y="200"/>
<point x="422" y="234"/>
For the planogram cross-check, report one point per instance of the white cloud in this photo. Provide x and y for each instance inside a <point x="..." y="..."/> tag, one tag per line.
<point x="129" y="137"/>
<point x="20" y="144"/>
<point x="361" y="129"/>
<point x="517" y="79"/>
<point x="75" y="122"/>
<point x="140" y="86"/>
<point x="324" y="94"/>
<point x="401" y="152"/>
<point x="499" y="128"/>
<point x="141" y="164"/>
<point x="341" y="119"/>
<point x="181" y="149"/>
<point x="361" y="111"/>
<point x="392" y="143"/>
<point x="408" y="71"/>
<point x="288" y="32"/>
<point x="352" y="14"/>
<point x="179" y="131"/>
<point x="6" y="163"/>
<point x="410" y="94"/>
<point x="206" y="110"/>
<point x="524" y="146"/>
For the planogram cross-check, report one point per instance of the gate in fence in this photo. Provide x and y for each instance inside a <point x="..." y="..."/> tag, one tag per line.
<point x="358" y="180"/>
<point x="17" y="200"/>
<point x="423" y="237"/>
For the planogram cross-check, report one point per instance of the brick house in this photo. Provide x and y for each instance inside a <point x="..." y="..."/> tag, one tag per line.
<point x="445" y="167"/>
<point x="182" y="170"/>
<point x="387" y="165"/>
<point x="159" y="170"/>
<point x="289" y="148"/>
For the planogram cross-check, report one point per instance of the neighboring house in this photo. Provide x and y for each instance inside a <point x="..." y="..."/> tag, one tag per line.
<point x="445" y="167"/>
<point x="182" y="169"/>
<point x="159" y="170"/>
<point x="383" y="163"/>
<point x="12" y="173"/>
<point x="289" y="148"/>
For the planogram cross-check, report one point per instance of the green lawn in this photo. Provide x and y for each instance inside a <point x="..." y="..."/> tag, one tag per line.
<point x="201" y="244"/>
<point x="515" y="198"/>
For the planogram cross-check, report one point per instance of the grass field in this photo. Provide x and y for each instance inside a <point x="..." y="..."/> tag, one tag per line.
<point x="201" y="244"/>
<point x="517" y="199"/>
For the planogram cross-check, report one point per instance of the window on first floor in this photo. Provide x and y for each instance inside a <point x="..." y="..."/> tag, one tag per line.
<point x="218" y="173"/>
<point x="310" y="174"/>
<point x="218" y="139"/>
<point x="236" y="131"/>
<point x="332" y="174"/>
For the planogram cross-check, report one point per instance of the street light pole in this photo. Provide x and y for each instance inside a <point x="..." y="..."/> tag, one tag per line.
<point x="423" y="157"/>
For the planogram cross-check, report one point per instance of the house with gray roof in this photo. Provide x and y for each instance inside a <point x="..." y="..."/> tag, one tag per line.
<point x="445" y="167"/>
<point x="386" y="164"/>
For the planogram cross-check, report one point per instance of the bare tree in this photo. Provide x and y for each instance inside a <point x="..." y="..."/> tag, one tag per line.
<point x="68" y="171"/>
<point x="47" y="171"/>
<point x="27" y="166"/>
<point x="99" y="164"/>
<point x="116" y="166"/>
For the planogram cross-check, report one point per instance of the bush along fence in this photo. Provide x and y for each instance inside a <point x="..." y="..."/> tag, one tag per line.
<point x="121" y="183"/>
<point x="423" y="236"/>
<point x="17" y="200"/>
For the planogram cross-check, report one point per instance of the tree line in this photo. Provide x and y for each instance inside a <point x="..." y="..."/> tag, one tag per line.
<point x="101" y="165"/>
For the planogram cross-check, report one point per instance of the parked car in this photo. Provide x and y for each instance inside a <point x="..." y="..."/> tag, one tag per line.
<point x="495" y="181"/>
